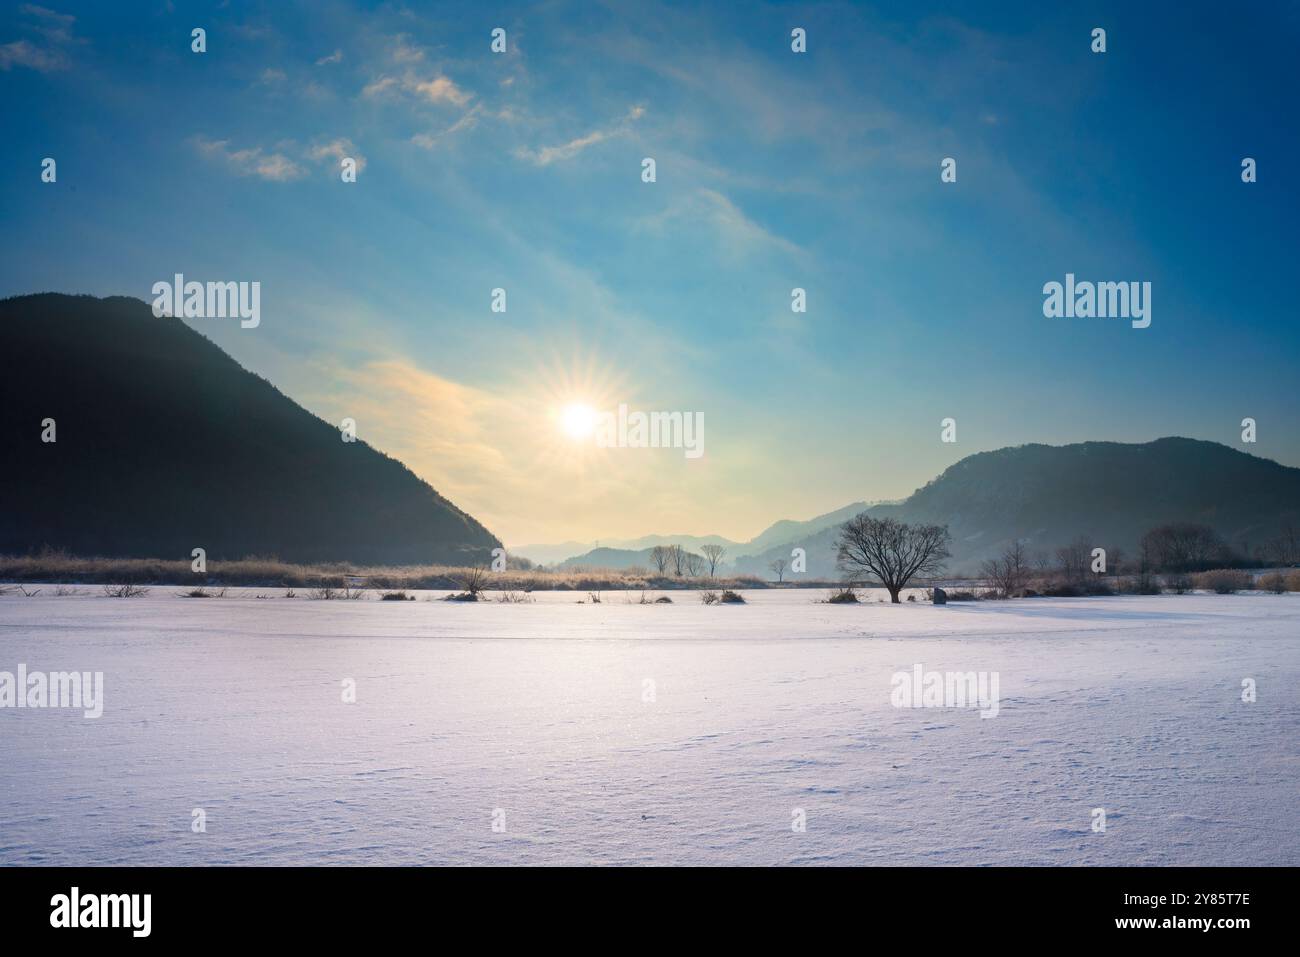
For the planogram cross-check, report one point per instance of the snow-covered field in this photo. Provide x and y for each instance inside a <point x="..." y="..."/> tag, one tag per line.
<point x="536" y="716"/>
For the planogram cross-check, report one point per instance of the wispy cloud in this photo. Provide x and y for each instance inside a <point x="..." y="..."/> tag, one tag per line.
<point x="467" y="122"/>
<point x="253" y="161"/>
<point x="436" y="89"/>
<point x="736" y="232"/>
<point x="285" y="162"/>
<point x="46" y="13"/>
<point x="736" y="225"/>
<point x="406" y="73"/>
<point x="448" y="432"/>
<point x="335" y="57"/>
<point x="22" y="53"/>
<point x="379" y="86"/>
<point x="440" y="89"/>
<point x="54" y="26"/>
<point x="336" y="150"/>
<point x="547" y="155"/>
<point x="44" y="57"/>
<point x="404" y="51"/>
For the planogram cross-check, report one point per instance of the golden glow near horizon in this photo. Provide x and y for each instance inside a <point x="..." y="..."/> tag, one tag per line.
<point x="521" y="452"/>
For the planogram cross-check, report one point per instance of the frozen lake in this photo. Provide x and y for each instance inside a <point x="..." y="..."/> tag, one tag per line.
<point x="627" y="733"/>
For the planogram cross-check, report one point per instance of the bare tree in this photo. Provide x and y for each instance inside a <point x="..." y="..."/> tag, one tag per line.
<point x="661" y="555"/>
<point x="678" y="556"/>
<point x="1074" y="560"/>
<point x="694" y="564"/>
<point x="892" y="551"/>
<point x="1145" y="580"/>
<point x="778" y="569"/>
<point x="1185" y="547"/>
<point x="1008" y="573"/>
<point x="713" y="554"/>
<point x="1285" y="549"/>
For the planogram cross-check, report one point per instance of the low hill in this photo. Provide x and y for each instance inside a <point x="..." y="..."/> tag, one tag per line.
<point x="617" y="558"/>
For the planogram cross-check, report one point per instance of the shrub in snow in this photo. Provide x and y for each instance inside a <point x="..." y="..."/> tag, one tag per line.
<point x="1276" y="583"/>
<point x="1224" y="581"/>
<point x="124" y="591"/>
<point x="202" y="593"/>
<point x="1138" y="585"/>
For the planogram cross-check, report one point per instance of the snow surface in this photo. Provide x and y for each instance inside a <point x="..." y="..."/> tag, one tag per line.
<point x="233" y="705"/>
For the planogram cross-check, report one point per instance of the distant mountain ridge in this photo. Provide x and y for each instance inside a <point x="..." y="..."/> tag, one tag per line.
<point x="635" y="552"/>
<point x="1108" y="492"/>
<point x="164" y="443"/>
<point x="786" y="530"/>
<point x="617" y="558"/>
<point x="1046" y="496"/>
<point x="572" y="553"/>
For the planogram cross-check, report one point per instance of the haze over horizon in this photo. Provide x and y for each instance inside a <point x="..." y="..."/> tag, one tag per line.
<point x="775" y="170"/>
<point x="613" y="541"/>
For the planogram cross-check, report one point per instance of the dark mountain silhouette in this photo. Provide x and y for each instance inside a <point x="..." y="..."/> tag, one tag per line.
<point x="1107" y="492"/>
<point x="164" y="444"/>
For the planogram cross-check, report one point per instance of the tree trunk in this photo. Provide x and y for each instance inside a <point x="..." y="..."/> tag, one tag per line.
<point x="893" y="596"/>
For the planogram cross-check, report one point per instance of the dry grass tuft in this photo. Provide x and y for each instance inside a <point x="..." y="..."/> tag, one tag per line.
<point x="124" y="591"/>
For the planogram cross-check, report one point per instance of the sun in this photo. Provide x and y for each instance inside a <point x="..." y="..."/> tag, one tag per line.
<point x="578" y="420"/>
<point x="569" y="391"/>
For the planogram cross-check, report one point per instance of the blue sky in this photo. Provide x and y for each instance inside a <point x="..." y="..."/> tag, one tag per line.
<point x="774" y="170"/>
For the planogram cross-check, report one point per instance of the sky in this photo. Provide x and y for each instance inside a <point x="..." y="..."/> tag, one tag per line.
<point x="774" y="170"/>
